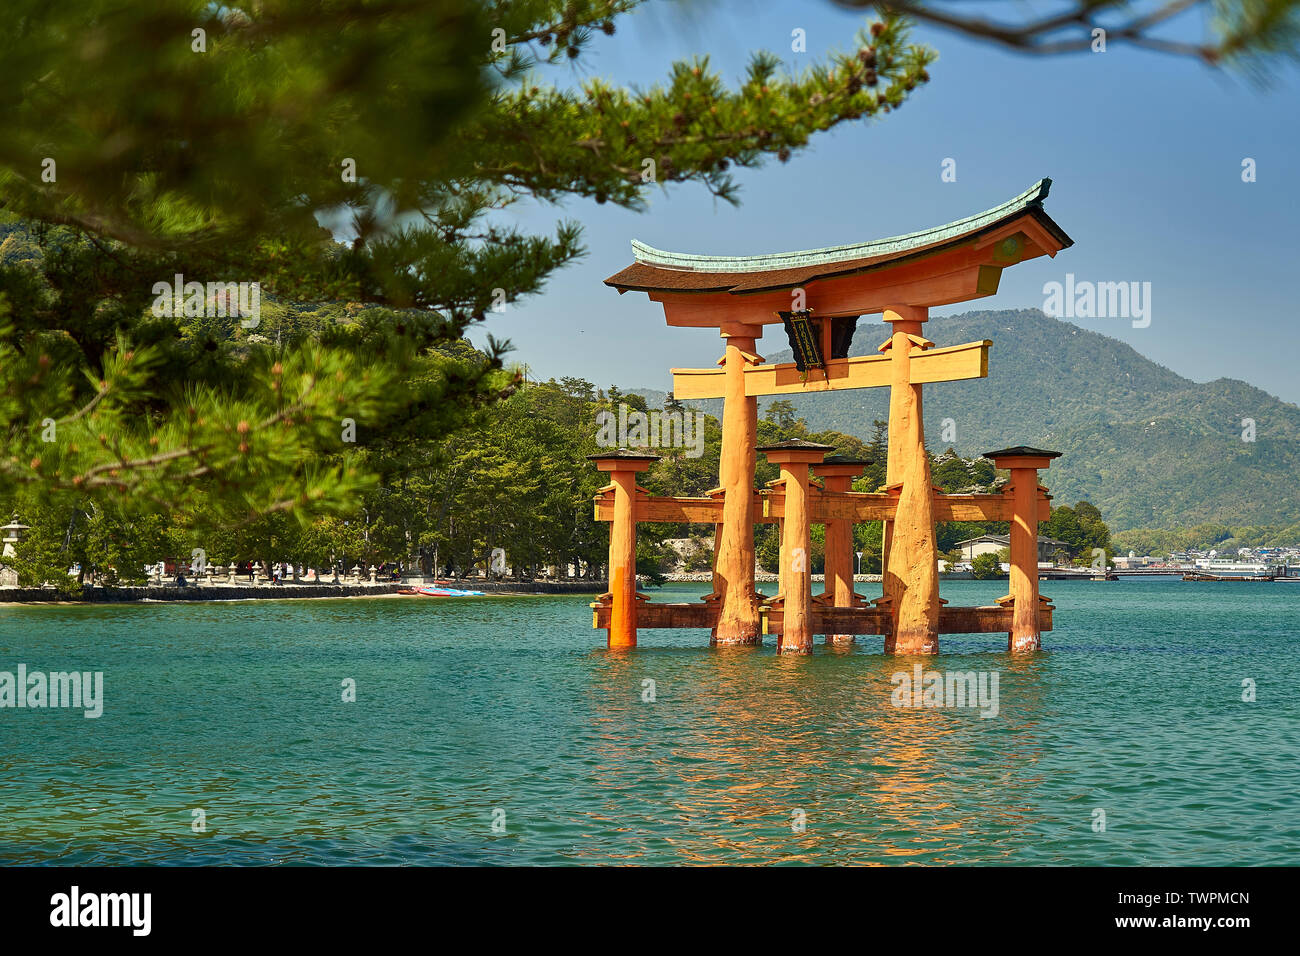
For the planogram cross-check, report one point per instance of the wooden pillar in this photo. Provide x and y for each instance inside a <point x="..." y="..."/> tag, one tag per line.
<point x="1024" y="634"/>
<point x="797" y="635"/>
<point x="733" y="574"/>
<point x="794" y="457"/>
<point x="781" y="558"/>
<point x="911" y="573"/>
<point x="1023" y="463"/>
<point x="623" y="467"/>
<point x="837" y="473"/>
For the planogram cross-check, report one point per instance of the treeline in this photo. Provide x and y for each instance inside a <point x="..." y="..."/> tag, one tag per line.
<point x="1081" y="529"/>
<point x="1161" y="542"/>
<point x="510" y="494"/>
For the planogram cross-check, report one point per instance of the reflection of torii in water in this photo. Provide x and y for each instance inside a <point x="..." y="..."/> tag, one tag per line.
<point x="818" y="296"/>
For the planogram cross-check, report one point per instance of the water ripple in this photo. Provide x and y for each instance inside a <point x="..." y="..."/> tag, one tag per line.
<point x="500" y="732"/>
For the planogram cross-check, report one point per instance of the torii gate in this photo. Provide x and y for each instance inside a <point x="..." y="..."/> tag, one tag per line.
<point x="819" y="295"/>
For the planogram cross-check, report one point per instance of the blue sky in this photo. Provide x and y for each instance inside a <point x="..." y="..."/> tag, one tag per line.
<point x="1144" y="150"/>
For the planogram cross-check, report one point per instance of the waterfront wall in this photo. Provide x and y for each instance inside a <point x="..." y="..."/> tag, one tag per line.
<point x="531" y="587"/>
<point x="275" y="592"/>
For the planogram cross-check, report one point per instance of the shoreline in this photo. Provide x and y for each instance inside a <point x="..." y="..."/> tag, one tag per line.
<point x="313" y="591"/>
<point x="167" y="593"/>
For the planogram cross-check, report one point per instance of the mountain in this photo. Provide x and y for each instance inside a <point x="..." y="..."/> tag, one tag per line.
<point x="1149" y="448"/>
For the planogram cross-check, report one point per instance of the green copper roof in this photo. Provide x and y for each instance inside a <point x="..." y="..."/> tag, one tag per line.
<point x="1030" y="198"/>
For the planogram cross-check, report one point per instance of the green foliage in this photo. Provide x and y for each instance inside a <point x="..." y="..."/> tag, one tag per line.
<point x="781" y="414"/>
<point x="699" y="557"/>
<point x="517" y="479"/>
<point x="241" y="142"/>
<point x="1203" y="537"/>
<point x="1080" y="527"/>
<point x="868" y="538"/>
<point x="67" y="543"/>
<point x="1244" y="34"/>
<point x="986" y="566"/>
<point x="652" y="560"/>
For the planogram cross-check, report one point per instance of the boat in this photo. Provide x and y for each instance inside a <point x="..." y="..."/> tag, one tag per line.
<point x="429" y="590"/>
<point x="1204" y="576"/>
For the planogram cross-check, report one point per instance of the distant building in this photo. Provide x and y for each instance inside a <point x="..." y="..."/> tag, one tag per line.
<point x="1135" y="561"/>
<point x="1209" y="564"/>
<point x="972" y="548"/>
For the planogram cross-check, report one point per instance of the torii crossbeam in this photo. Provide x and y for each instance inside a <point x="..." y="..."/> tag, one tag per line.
<point x="818" y="296"/>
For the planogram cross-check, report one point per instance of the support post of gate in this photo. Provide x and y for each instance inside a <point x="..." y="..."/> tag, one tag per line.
<point x="1023" y="463"/>
<point x="911" y="570"/>
<point x="733" y="573"/>
<point x="623" y="466"/>
<point x="794" y="457"/>
<point x="837" y="473"/>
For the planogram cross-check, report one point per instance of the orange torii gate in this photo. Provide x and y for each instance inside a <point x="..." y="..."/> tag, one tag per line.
<point x="819" y="296"/>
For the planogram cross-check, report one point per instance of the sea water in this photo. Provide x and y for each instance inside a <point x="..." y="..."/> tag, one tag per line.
<point x="1158" y="726"/>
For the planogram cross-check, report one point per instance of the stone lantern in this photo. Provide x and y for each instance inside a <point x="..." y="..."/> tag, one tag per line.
<point x="13" y="533"/>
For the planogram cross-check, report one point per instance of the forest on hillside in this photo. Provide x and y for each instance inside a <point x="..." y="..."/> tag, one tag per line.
<point x="515" y="478"/>
<point x="1153" y="450"/>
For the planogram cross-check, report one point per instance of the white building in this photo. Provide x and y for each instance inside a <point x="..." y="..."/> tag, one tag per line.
<point x="972" y="548"/>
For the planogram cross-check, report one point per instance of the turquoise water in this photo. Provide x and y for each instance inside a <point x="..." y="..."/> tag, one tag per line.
<point x="466" y="707"/>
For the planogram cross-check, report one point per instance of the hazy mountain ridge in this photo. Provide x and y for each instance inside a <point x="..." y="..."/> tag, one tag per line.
<point x="1147" y="446"/>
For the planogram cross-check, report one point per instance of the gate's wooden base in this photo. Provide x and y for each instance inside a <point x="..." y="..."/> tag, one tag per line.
<point x="995" y="619"/>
